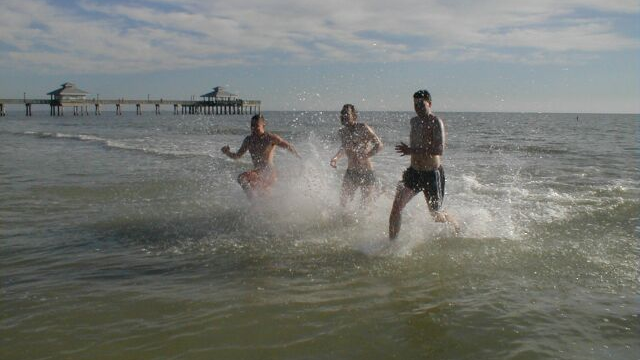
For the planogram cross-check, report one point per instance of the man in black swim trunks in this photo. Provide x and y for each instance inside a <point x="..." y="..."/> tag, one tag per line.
<point x="426" y="145"/>
<point x="355" y="138"/>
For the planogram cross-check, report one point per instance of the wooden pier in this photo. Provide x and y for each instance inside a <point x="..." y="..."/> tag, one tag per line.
<point x="218" y="102"/>
<point x="81" y="108"/>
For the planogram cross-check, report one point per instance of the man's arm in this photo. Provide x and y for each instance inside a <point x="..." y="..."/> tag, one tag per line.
<point x="437" y="145"/>
<point x="335" y="159"/>
<point x="341" y="152"/>
<point x="377" y="143"/>
<point x="433" y="150"/>
<point x="278" y="141"/>
<point x="243" y="149"/>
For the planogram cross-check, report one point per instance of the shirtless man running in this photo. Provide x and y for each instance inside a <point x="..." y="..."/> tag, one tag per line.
<point x="426" y="146"/>
<point x="261" y="146"/>
<point x="355" y="139"/>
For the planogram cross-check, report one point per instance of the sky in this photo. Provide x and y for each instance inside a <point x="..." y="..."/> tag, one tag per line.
<point x="574" y="56"/>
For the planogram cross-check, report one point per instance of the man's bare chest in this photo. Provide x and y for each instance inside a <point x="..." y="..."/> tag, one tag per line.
<point x="354" y="139"/>
<point x="260" y="144"/>
<point x="423" y="131"/>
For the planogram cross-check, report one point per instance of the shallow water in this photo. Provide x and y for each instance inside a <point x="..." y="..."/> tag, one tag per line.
<point x="128" y="237"/>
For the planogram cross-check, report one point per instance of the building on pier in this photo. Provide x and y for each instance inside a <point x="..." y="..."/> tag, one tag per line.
<point x="219" y="93"/>
<point x="68" y="93"/>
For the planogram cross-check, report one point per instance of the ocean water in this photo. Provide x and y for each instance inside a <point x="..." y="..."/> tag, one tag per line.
<point x="127" y="237"/>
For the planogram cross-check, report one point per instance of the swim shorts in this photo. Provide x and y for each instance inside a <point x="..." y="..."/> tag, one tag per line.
<point x="360" y="177"/>
<point x="258" y="178"/>
<point x="431" y="182"/>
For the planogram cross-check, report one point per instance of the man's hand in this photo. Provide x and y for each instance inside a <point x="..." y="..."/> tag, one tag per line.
<point x="403" y="149"/>
<point x="225" y="149"/>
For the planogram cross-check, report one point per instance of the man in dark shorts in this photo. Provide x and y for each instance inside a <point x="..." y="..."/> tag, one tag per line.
<point x="426" y="175"/>
<point x="356" y="138"/>
<point x="261" y="146"/>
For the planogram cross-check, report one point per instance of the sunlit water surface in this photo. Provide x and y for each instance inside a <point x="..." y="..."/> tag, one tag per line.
<point x="127" y="237"/>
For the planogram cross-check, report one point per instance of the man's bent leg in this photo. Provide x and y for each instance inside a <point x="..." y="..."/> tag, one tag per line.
<point x="247" y="180"/>
<point x="443" y="217"/>
<point x="403" y="195"/>
<point x="434" y="205"/>
<point x="264" y="183"/>
<point x="367" y="194"/>
<point x="347" y="192"/>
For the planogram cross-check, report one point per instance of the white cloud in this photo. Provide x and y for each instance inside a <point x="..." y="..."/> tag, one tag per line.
<point x="162" y="34"/>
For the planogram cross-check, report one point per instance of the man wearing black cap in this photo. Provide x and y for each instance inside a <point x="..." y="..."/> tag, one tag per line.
<point x="426" y="146"/>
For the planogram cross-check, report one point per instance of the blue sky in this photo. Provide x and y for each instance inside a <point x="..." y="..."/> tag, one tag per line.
<point x="494" y="55"/>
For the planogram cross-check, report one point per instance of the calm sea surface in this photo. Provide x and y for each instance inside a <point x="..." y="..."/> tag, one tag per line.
<point x="127" y="237"/>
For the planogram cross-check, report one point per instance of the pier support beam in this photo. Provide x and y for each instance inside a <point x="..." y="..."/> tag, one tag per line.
<point x="118" y="109"/>
<point x="98" y="109"/>
<point x="2" y="113"/>
<point x="138" y="109"/>
<point x="27" y="109"/>
<point x="157" y="109"/>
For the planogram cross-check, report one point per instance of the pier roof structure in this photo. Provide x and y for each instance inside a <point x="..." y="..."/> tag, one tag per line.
<point x="219" y="93"/>
<point x="68" y="89"/>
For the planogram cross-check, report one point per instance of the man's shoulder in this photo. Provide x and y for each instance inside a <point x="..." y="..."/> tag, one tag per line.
<point x="433" y="118"/>
<point x="273" y="137"/>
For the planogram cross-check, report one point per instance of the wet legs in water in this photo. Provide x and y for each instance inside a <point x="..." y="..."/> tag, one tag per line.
<point x="403" y="196"/>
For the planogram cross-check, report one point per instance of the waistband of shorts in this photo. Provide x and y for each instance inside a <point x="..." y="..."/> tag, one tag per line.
<point x="440" y="168"/>
<point x="360" y="171"/>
